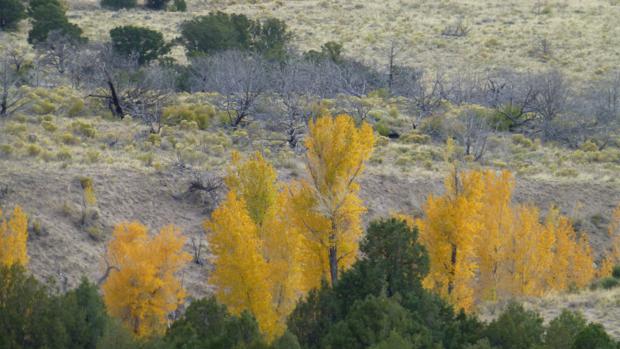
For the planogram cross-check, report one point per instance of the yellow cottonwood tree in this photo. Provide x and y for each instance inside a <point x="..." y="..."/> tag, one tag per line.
<point x="529" y="254"/>
<point x="612" y="257"/>
<point x="482" y="247"/>
<point x="240" y="271"/>
<point x="141" y="287"/>
<point x="327" y="206"/>
<point x="13" y="238"/>
<point x="497" y="218"/>
<point x="449" y="231"/>
<point x="254" y="181"/>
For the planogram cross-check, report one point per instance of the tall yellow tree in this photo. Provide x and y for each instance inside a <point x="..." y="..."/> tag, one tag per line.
<point x="482" y="247"/>
<point x="497" y="219"/>
<point x="449" y="231"/>
<point x="240" y="271"/>
<point x="529" y="248"/>
<point x="13" y="238"/>
<point x="327" y="205"/>
<point x="141" y="287"/>
<point x="612" y="257"/>
<point x="254" y="180"/>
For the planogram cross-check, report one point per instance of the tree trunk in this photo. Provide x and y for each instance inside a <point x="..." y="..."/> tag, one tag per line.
<point x="4" y="105"/>
<point x="453" y="271"/>
<point x="333" y="264"/>
<point x="117" y="110"/>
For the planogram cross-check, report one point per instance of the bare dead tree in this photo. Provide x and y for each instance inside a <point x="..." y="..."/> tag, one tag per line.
<point x="393" y="52"/>
<point x="59" y="50"/>
<point x="473" y="133"/>
<point x="551" y="100"/>
<point x="465" y="87"/>
<point x="12" y="76"/>
<point x="513" y="97"/>
<point x="355" y="79"/>
<point x="127" y="88"/>
<point x="112" y="74"/>
<point x="425" y="94"/>
<point x="238" y="76"/>
<point x="81" y="68"/>
<point x="205" y="187"/>
<point x="197" y="248"/>
<point x="292" y="83"/>
<point x="603" y="103"/>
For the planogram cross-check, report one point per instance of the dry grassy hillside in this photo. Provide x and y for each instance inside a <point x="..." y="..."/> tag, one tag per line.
<point x="62" y="135"/>
<point x="51" y="194"/>
<point x="580" y="37"/>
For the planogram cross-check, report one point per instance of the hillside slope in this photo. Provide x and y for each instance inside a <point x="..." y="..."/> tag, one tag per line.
<point x="51" y="195"/>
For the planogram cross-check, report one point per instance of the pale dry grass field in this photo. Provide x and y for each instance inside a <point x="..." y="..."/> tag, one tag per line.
<point x="582" y="38"/>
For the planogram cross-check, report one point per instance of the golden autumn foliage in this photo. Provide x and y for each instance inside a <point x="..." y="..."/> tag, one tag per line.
<point x="142" y="288"/>
<point x="240" y="270"/>
<point x="612" y="257"/>
<point x="13" y="238"/>
<point x="272" y="242"/>
<point x="255" y="246"/>
<point x="482" y="247"/>
<point x="327" y="208"/>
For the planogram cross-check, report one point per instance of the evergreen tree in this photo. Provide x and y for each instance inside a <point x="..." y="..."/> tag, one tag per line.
<point x="118" y="4"/>
<point x="593" y="337"/>
<point x="516" y="328"/>
<point x="146" y="44"/>
<point x="11" y="12"/>
<point x="48" y="16"/>
<point x="564" y="329"/>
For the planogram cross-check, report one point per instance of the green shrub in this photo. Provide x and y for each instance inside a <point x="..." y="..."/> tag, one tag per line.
<point x="199" y="113"/>
<point x="33" y="150"/>
<point x="95" y="233"/>
<point x="11" y="12"/>
<point x="615" y="272"/>
<point x="563" y="330"/>
<point x="157" y="4"/>
<point x="382" y="129"/>
<point x="49" y="16"/>
<point x="179" y="6"/>
<point x="63" y="154"/>
<point x="69" y="139"/>
<point x="223" y="330"/>
<point x="147" y="44"/>
<point x="516" y="328"/>
<point x="6" y="150"/>
<point x="44" y="107"/>
<point x="220" y="31"/>
<point x="118" y="4"/>
<point x="76" y="106"/>
<point x="416" y="138"/>
<point x="609" y="283"/>
<point x="93" y="156"/>
<point x="523" y="141"/>
<point x="84" y="129"/>
<point x="593" y="337"/>
<point x="434" y="127"/>
<point x="48" y="126"/>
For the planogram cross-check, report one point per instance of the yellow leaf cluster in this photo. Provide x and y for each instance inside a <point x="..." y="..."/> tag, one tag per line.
<point x="271" y="241"/>
<point x="482" y="247"/>
<point x="142" y="287"/>
<point x="612" y="257"/>
<point x="13" y="238"/>
<point x="240" y="271"/>
<point x="327" y="207"/>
